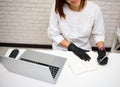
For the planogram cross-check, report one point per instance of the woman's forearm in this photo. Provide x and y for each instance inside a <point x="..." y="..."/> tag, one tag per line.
<point x="100" y="44"/>
<point x="65" y="43"/>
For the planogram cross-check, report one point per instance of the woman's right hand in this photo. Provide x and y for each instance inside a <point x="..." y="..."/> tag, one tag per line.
<point x="81" y="53"/>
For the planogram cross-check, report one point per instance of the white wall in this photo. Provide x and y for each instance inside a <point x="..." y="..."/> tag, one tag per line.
<point x="26" y="21"/>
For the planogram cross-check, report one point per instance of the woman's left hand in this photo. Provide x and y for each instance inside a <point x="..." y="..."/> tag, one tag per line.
<point x="102" y="58"/>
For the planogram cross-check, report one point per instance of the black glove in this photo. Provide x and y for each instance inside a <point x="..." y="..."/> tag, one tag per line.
<point x="79" y="52"/>
<point x="102" y="60"/>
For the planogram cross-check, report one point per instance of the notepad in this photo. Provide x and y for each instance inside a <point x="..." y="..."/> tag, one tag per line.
<point x="79" y="66"/>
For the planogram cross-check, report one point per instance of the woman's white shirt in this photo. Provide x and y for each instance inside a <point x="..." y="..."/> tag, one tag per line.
<point x="77" y="27"/>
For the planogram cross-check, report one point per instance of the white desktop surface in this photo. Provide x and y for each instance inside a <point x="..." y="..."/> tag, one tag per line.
<point x="107" y="76"/>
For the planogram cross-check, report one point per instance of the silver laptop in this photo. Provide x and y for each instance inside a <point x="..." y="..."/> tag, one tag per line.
<point x="37" y="65"/>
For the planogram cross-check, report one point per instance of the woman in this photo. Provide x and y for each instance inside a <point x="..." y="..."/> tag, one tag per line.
<point x="72" y="23"/>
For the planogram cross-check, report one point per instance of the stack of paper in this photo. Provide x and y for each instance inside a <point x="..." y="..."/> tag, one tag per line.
<point x="79" y="66"/>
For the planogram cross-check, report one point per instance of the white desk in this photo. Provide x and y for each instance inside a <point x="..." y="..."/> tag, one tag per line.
<point x="108" y="76"/>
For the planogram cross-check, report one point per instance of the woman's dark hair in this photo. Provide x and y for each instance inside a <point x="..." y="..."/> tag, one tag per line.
<point x="59" y="7"/>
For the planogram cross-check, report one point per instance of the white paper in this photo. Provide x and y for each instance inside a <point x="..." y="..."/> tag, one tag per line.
<point x="79" y="66"/>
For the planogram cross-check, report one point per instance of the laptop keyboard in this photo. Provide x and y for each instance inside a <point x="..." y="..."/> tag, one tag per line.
<point x="53" y="69"/>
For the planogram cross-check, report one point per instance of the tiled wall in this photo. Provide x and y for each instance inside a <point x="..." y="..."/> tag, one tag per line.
<point x="26" y="21"/>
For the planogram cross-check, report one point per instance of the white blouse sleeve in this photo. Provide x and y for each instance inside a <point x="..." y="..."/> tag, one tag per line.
<point x="98" y="31"/>
<point x="53" y="29"/>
